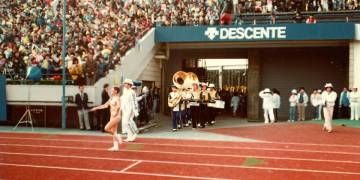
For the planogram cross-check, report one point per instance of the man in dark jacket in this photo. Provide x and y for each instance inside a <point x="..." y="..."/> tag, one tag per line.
<point x="105" y="113"/>
<point x="81" y="100"/>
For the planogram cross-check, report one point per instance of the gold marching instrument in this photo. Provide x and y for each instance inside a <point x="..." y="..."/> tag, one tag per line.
<point x="183" y="81"/>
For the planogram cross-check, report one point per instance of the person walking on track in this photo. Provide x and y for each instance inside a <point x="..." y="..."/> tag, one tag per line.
<point x="268" y="105"/>
<point x="329" y="97"/>
<point x="115" y="115"/>
<point x="129" y="109"/>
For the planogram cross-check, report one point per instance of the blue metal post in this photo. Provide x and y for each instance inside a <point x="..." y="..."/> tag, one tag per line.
<point x="63" y="53"/>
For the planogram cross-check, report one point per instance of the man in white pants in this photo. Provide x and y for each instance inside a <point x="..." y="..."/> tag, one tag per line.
<point x="354" y="99"/>
<point x="268" y="105"/>
<point x="129" y="110"/>
<point x="329" y="97"/>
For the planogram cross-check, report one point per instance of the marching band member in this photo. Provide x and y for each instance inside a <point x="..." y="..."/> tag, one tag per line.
<point x="213" y="111"/>
<point x="187" y="112"/>
<point x="173" y="98"/>
<point x="268" y="105"/>
<point x="204" y="99"/>
<point x="129" y="109"/>
<point x="329" y="97"/>
<point x="195" y="105"/>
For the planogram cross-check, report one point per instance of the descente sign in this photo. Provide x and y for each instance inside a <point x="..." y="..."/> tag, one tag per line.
<point x="246" y="33"/>
<point x="320" y="31"/>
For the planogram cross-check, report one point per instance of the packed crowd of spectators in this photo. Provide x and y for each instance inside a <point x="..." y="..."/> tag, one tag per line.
<point x="100" y="32"/>
<point x="268" y="6"/>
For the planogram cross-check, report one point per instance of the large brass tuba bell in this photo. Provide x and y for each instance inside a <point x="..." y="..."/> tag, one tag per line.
<point x="183" y="81"/>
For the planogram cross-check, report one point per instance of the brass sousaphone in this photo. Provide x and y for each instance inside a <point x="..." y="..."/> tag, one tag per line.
<point x="183" y="81"/>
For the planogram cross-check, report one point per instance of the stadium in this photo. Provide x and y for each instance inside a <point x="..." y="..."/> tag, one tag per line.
<point x="179" y="89"/>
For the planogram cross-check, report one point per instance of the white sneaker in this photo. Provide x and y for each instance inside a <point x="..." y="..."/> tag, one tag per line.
<point x="113" y="149"/>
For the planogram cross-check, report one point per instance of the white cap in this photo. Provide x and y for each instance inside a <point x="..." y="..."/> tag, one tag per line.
<point x="203" y="84"/>
<point x="294" y="91"/>
<point x="328" y="85"/>
<point x="267" y="90"/>
<point x="211" y="86"/>
<point x="128" y="81"/>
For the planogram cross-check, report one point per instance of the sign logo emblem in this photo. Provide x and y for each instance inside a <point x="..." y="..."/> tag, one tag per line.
<point x="211" y="32"/>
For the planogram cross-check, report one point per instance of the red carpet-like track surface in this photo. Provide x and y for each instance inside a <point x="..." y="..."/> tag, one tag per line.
<point x="299" y="151"/>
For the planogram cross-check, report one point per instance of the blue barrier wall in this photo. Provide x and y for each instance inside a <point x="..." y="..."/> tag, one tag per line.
<point x="319" y="31"/>
<point x="2" y="98"/>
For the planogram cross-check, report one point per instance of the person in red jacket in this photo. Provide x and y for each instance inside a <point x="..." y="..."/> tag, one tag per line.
<point x="311" y="20"/>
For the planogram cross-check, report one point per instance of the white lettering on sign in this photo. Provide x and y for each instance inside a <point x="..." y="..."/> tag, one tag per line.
<point x="247" y="33"/>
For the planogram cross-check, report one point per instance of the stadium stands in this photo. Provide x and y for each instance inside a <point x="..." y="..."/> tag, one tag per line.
<point x="100" y="32"/>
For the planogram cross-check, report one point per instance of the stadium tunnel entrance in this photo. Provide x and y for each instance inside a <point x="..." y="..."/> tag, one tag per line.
<point x="282" y="65"/>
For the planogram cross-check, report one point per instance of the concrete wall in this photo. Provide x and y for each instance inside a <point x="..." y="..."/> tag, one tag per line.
<point x="354" y="60"/>
<point x="152" y="72"/>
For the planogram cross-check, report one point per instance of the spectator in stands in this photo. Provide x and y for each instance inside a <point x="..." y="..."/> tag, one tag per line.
<point x="272" y="18"/>
<point x="311" y="20"/>
<point x="325" y="5"/>
<point x="81" y="100"/>
<point x="91" y="69"/>
<point x="76" y="71"/>
<point x="298" y="18"/>
<point x="226" y="16"/>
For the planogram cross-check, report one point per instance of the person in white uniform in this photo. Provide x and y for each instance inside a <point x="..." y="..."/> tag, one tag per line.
<point x="329" y="97"/>
<point x="129" y="109"/>
<point x="354" y="98"/>
<point x="268" y="105"/>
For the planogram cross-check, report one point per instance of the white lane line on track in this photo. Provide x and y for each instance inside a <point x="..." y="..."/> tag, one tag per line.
<point x="211" y="165"/>
<point x="108" y="171"/>
<point x="174" y="144"/>
<point x="237" y="148"/>
<point x="131" y="166"/>
<point x="196" y="154"/>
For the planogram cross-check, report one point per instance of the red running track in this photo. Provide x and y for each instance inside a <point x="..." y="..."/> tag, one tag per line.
<point x="39" y="156"/>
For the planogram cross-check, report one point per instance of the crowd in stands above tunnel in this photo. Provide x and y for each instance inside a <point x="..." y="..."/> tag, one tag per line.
<point x="100" y="32"/>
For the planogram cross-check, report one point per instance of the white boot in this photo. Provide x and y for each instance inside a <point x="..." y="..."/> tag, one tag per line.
<point x="115" y="147"/>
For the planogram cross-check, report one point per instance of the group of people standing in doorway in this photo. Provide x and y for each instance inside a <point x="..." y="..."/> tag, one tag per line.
<point x="322" y="101"/>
